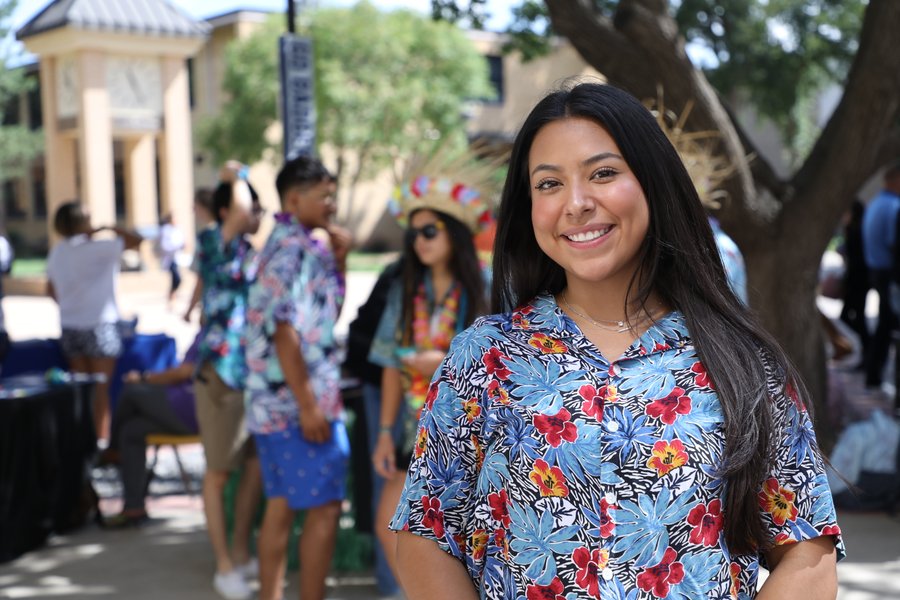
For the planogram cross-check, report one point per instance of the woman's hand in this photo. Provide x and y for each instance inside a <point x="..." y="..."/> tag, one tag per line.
<point x="341" y="241"/>
<point x="384" y="457"/>
<point x="131" y="377"/>
<point x="425" y="362"/>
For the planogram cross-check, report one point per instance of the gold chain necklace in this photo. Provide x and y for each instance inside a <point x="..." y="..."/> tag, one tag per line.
<point x="613" y="326"/>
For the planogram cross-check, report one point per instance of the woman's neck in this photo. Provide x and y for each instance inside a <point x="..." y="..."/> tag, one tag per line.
<point x="608" y="303"/>
<point x="441" y="280"/>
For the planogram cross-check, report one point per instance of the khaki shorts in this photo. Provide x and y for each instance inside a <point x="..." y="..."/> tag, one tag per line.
<point x="220" y="415"/>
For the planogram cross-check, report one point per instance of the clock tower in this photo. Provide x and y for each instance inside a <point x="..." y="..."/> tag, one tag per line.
<point x="113" y="71"/>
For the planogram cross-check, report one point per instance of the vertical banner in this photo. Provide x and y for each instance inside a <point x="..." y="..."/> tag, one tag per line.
<point x="298" y="103"/>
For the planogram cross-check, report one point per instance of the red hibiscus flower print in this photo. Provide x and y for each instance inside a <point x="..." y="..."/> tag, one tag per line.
<point x="432" y="396"/>
<point x="778" y="502"/>
<point x="701" y="376"/>
<point x="831" y="530"/>
<point x="550" y="480"/>
<point x="590" y="564"/>
<point x="658" y="579"/>
<point x="479" y="543"/>
<point x="607" y="525"/>
<point x="667" y="456"/>
<point x="501" y="542"/>
<point x="667" y="409"/>
<point x="556" y="428"/>
<point x="520" y="322"/>
<point x="433" y="516"/>
<point x="497" y="393"/>
<point x="547" y="344"/>
<point x="791" y="392"/>
<point x="594" y="399"/>
<point x="554" y="591"/>
<point x="707" y="522"/>
<point x="499" y="502"/>
<point x="479" y="453"/>
<point x="493" y="362"/>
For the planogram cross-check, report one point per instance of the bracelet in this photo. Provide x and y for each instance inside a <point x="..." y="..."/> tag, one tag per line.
<point x="386" y="429"/>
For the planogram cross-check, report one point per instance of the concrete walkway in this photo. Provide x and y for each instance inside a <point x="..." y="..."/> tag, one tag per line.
<point x="170" y="556"/>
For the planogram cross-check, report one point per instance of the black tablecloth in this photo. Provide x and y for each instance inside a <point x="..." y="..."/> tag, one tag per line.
<point x="47" y="440"/>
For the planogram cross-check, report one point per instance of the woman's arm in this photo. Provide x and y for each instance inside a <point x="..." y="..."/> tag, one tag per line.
<point x="384" y="457"/>
<point x="803" y="570"/>
<point x="195" y="299"/>
<point x="428" y="573"/>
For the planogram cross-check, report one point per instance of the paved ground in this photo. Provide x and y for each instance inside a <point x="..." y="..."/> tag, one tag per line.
<point x="170" y="557"/>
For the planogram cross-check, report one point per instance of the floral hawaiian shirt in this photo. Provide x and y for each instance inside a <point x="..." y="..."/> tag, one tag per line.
<point x="299" y="283"/>
<point x="226" y="271"/>
<point x="551" y="473"/>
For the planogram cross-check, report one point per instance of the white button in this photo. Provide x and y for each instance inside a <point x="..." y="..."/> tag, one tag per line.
<point x="607" y="573"/>
<point x="612" y="426"/>
<point x="610" y="498"/>
<point x="616" y="370"/>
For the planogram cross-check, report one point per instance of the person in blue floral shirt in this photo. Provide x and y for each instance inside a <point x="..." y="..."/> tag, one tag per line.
<point x="624" y="429"/>
<point x="226" y="266"/>
<point x="294" y="407"/>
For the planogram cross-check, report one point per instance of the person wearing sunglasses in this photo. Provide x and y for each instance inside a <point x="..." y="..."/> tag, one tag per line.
<point x="440" y="292"/>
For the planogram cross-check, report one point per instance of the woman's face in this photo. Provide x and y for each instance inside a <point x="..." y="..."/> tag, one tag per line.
<point x="589" y="213"/>
<point x="435" y="250"/>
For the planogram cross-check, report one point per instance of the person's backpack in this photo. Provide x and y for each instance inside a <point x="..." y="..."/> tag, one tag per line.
<point x="873" y="470"/>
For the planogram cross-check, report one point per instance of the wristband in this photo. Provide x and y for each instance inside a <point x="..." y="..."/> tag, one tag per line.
<point x="386" y="429"/>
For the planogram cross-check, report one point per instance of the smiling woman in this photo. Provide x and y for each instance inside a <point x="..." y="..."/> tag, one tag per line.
<point x="624" y="427"/>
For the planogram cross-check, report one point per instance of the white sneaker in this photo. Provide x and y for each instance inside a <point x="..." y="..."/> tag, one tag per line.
<point x="232" y="586"/>
<point x="250" y="569"/>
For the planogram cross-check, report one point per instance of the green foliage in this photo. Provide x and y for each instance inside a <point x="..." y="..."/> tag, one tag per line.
<point x="390" y="84"/>
<point x="18" y="144"/>
<point x="387" y="84"/>
<point x="471" y="12"/>
<point x="776" y="53"/>
<point x="250" y="84"/>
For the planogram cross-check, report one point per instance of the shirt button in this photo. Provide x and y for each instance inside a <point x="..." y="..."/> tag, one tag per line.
<point x="607" y="573"/>
<point x="610" y="498"/>
<point x="612" y="426"/>
<point x="616" y="370"/>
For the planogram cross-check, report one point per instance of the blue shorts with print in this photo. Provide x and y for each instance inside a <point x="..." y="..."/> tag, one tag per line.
<point x="307" y="474"/>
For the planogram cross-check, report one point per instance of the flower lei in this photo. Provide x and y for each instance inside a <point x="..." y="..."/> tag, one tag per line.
<point x="431" y="331"/>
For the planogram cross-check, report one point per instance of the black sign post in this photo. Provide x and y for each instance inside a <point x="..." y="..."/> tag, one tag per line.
<point x="298" y="101"/>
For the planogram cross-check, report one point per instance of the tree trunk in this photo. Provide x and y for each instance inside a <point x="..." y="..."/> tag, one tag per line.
<point x="782" y="226"/>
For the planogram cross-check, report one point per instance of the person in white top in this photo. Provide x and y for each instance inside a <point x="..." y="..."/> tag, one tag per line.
<point x="168" y="245"/>
<point x="81" y="274"/>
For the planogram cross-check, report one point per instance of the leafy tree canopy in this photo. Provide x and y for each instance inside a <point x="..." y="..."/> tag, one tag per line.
<point x="18" y="143"/>
<point x="775" y="53"/>
<point x="387" y="84"/>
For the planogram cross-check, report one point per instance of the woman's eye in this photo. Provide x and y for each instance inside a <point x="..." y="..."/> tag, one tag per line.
<point x="545" y="184"/>
<point x="603" y="172"/>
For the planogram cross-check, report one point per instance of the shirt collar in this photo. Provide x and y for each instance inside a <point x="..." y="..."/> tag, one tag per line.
<point x="543" y="315"/>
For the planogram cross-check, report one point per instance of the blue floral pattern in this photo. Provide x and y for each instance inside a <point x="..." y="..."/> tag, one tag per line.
<point x="298" y="283"/>
<point x="226" y="271"/>
<point x="550" y="472"/>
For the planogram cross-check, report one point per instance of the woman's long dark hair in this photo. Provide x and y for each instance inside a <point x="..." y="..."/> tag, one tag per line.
<point x="680" y="261"/>
<point x="463" y="265"/>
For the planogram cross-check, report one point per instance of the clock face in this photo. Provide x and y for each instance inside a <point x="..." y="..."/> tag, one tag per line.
<point x="67" y="97"/>
<point x="134" y="85"/>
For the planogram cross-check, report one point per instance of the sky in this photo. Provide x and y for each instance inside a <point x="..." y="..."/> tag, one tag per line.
<point x="499" y="9"/>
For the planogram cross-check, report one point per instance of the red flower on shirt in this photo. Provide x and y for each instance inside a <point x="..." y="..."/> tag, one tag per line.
<point x="550" y="480"/>
<point x="607" y="525"/>
<point x="554" y="591"/>
<point x="493" y="362"/>
<point x="499" y="502"/>
<point x="479" y="543"/>
<point x="431" y="396"/>
<point x="667" y="456"/>
<point x="778" y="502"/>
<point x="556" y="428"/>
<point x="701" y="376"/>
<point x="707" y="522"/>
<point x="590" y="563"/>
<point x="547" y="344"/>
<point x="658" y="579"/>
<point x="433" y="516"/>
<point x="593" y="401"/>
<point x="667" y="409"/>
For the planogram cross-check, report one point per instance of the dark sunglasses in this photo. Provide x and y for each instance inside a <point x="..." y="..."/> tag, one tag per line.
<point x="429" y="232"/>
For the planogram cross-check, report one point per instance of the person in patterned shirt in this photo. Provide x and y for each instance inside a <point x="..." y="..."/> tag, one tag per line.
<point x="226" y="266"/>
<point x="624" y="429"/>
<point x="294" y="407"/>
<point x="440" y="292"/>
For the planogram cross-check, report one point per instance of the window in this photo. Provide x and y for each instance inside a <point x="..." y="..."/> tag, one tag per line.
<point x="13" y="211"/>
<point x="39" y="193"/>
<point x="190" y="73"/>
<point x="11" y="114"/>
<point x="495" y="67"/>
<point x="35" y="113"/>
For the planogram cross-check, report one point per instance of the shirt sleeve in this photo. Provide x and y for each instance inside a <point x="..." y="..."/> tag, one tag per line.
<point x="795" y="499"/>
<point x="439" y="497"/>
<point x="383" y="351"/>
<point x="277" y="277"/>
